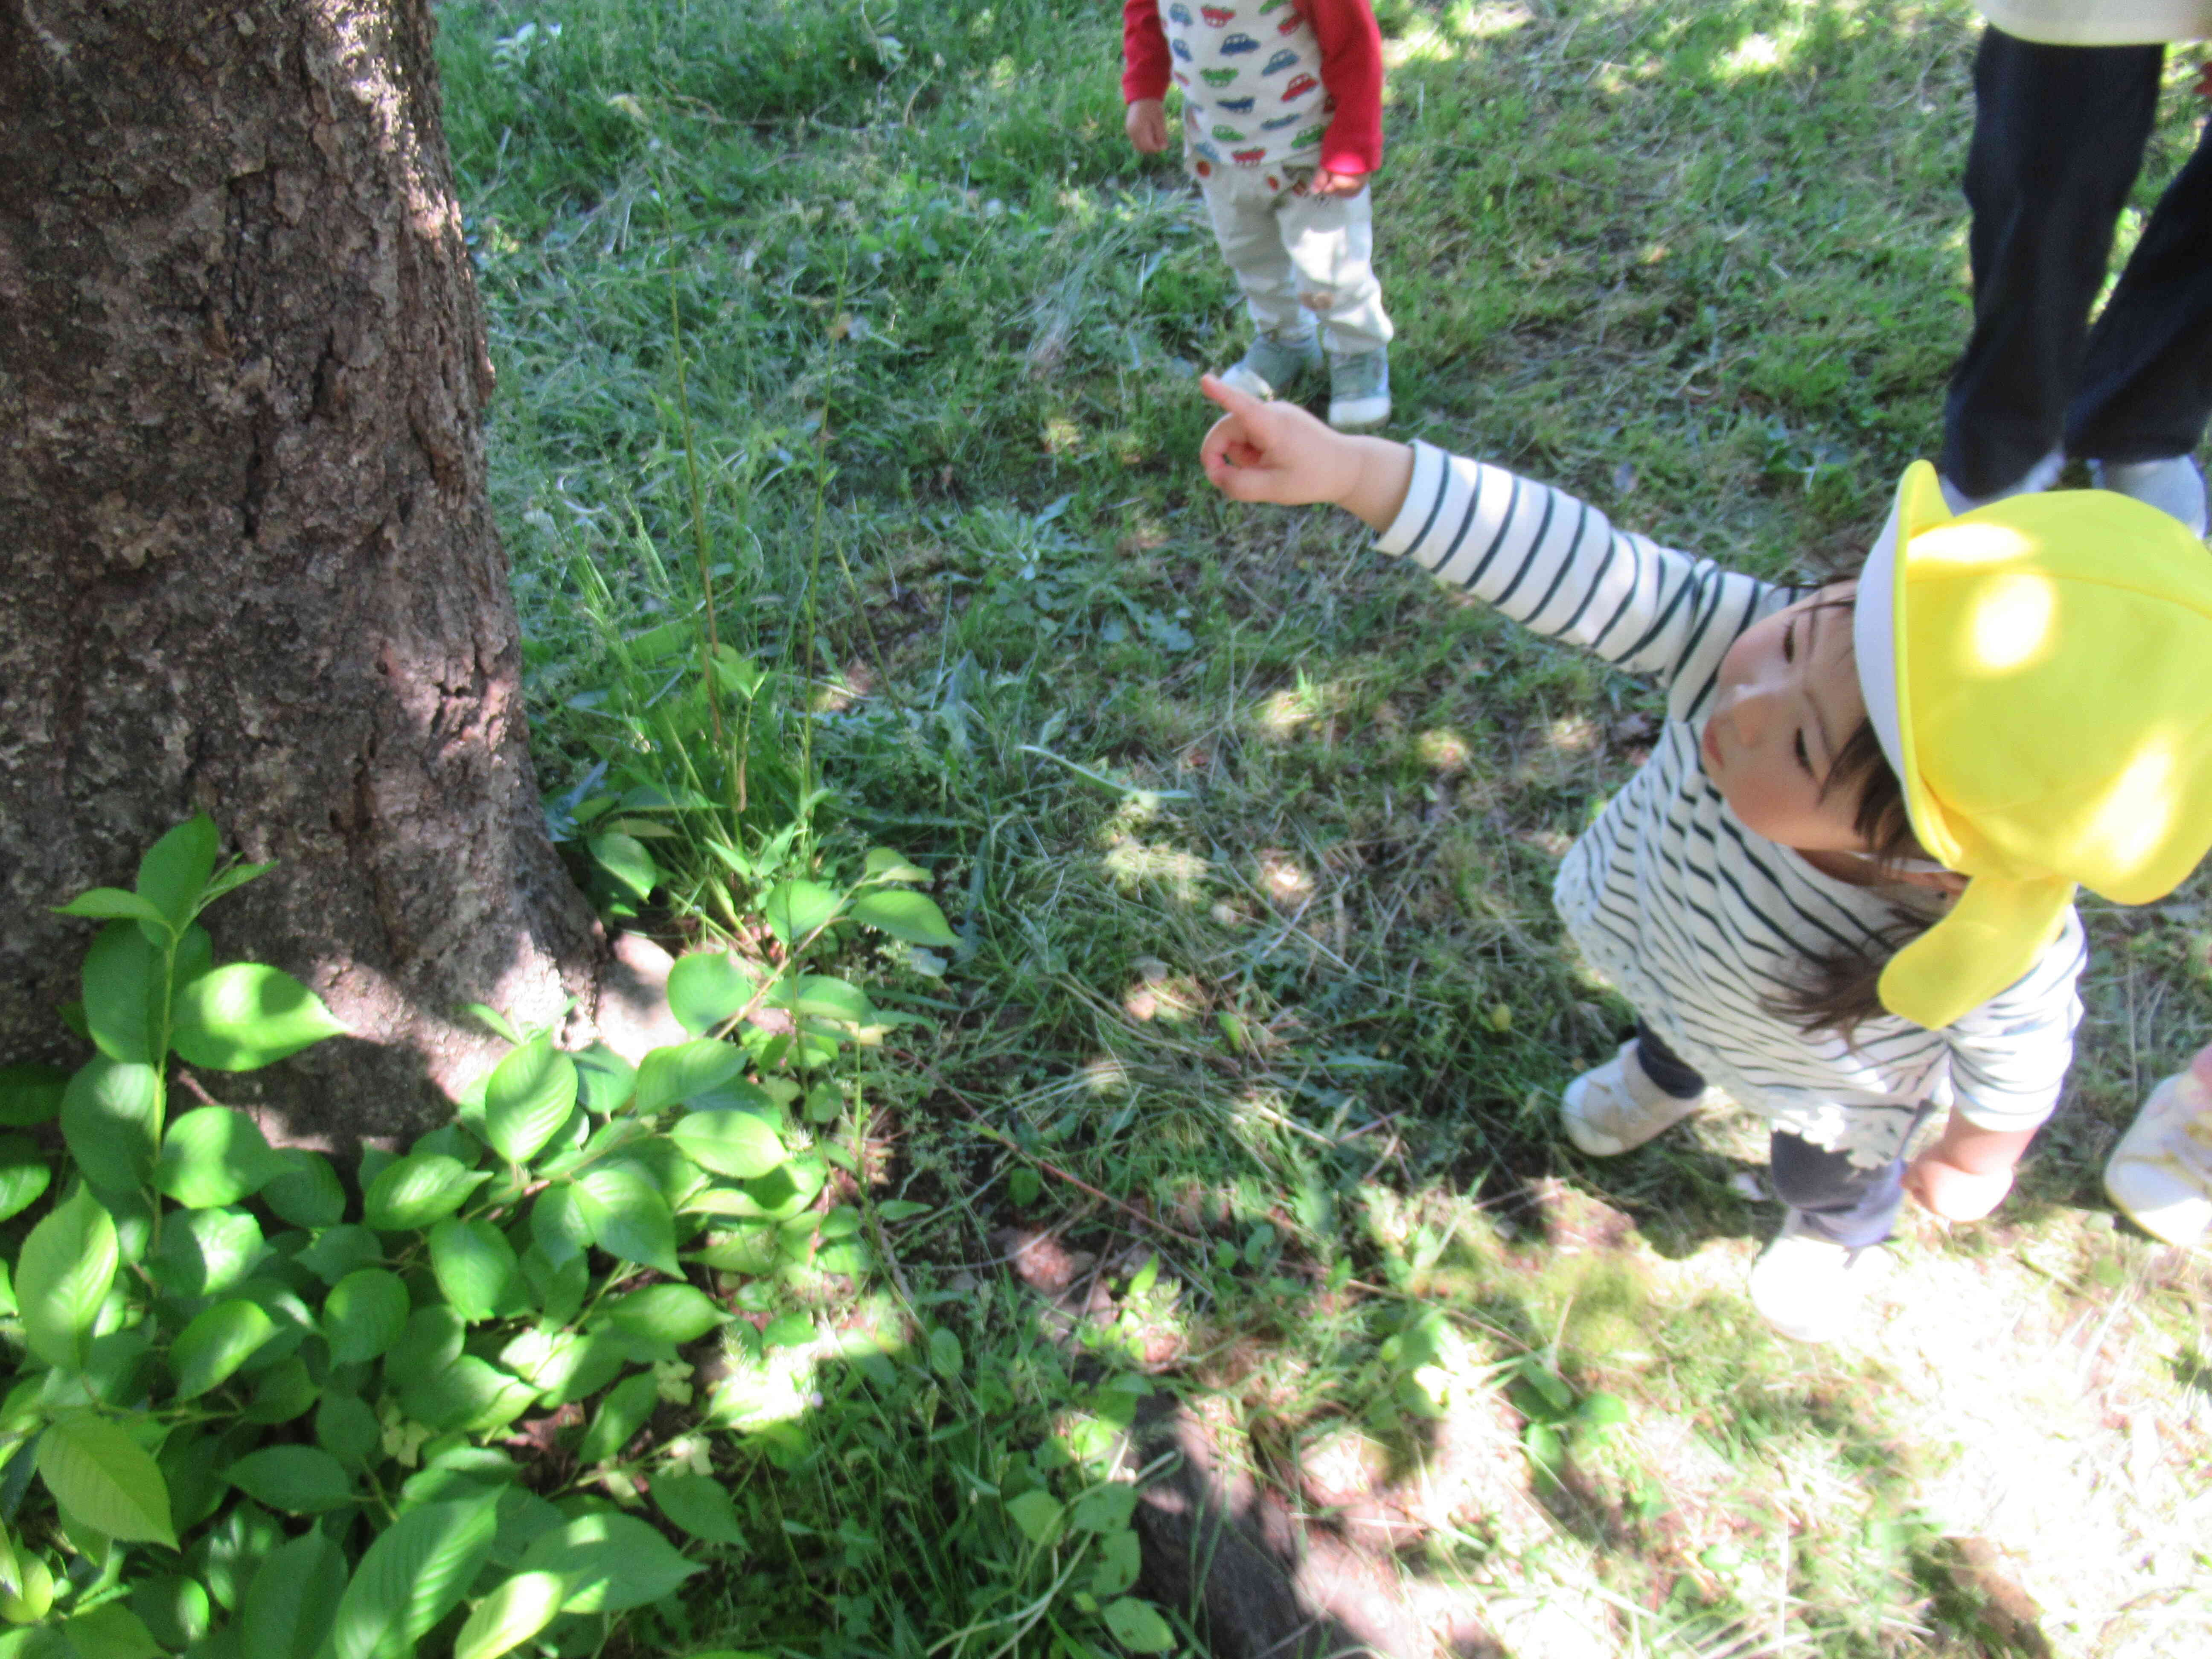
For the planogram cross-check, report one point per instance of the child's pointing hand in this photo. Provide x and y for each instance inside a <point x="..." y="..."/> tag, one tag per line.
<point x="1276" y="452"/>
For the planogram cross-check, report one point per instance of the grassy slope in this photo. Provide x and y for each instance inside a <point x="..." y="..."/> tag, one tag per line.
<point x="1289" y="974"/>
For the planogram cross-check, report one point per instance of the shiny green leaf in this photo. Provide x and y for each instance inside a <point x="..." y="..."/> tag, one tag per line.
<point x="625" y="858"/>
<point x="904" y="915"/>
<point x="418" y="1190"/>
<point x="624" y="1411"/>
<point x="215" y="1343"/>
<point x="1138" y="1627"/>
<point x="682" y="1070"/>
<point x="476" y="1269"/>
<point x="604" y="1079"/>
<point x="740" y="1143"/>
<point x="610" y="1561"/>
<point x="125" y="984"/>
<point x="246" y="1015"/>
<point x="1038" y="1514"/>
<point x="111" y="1117"/>
<point x="510" y="1615"/>
<point x="297" y="1479"/>
<point x="886" y="864"/>
<point x="707" y="987"/>
<point x="305" y="1190"/>
<point x="628" y="1218"/>
<point x="529" y="1097"/>
<point x="796" y="909"/>
<point x="292" y="1599"/>
<point x="663" y="1313"/>
<point x="25" y="1174"/>
<point x="348" y="1430"/>
<point x="212" y="1157"/>
<point x="700" y="1506"/>
<point x="110" y="1630"/>
<point x="106" y="1479"/>
<point x="364" y="1315"/>
<point x="62" y="1277"/>
<point x="174" y="871"/>
<point x="112" y="903"/>
<point x="417" y="1570"/>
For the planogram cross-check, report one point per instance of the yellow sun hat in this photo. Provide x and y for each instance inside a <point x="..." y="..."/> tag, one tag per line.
<point x="2038" y="672"/>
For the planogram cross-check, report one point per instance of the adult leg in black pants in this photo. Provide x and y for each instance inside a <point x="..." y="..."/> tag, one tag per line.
<point x="2058" y="138"/>
<point x="2146" y="384"/>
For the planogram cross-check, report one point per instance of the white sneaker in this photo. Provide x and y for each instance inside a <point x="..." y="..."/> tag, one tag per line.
<point x="1615" y="1108"/>
<point x="2160" y="1174"/>
<point x="1809" y="1289"/>
<point x="1358" y="389"/>
<point x="2174" y="486"/>
<point x="2037" y="479"/>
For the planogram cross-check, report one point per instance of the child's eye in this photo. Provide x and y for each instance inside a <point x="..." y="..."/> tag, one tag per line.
<point x="1789" y="650"/>
<point x="1804" y="759"/>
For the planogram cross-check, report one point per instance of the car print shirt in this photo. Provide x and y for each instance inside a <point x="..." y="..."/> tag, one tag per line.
<point x="1265" y="83"/>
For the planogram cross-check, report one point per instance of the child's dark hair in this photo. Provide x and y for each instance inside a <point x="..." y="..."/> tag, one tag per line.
<point x="1839" y="991"/>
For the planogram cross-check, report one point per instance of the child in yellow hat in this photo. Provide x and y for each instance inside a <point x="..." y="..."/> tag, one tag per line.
<point x="1840" y="889"/>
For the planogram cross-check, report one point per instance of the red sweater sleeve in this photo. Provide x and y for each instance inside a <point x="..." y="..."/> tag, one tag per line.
<point x="1144" y="62"/>
<point x="1351" y="70"/>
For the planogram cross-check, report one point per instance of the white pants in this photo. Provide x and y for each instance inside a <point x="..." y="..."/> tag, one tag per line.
<point x="1293" y="254"/>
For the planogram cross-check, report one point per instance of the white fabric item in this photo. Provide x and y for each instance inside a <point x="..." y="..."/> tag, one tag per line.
<point x="1615" y="1108"/>
<point x="2101" y="22"/>
<point x="1874" y="641"/>
<point x="1698" y="921"/>
<point x="1809" y="1289"/>
<point x="2160" y="1173"/>
<point x="1294" y="253"/>
<point x="1250" y="75"/>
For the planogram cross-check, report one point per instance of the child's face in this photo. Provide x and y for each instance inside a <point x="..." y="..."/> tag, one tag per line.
<point x="1786" y="702"/>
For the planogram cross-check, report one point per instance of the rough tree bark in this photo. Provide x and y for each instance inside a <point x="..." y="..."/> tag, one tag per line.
<point x="250" y="567"/>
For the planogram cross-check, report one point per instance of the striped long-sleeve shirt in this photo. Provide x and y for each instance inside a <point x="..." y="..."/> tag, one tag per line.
<point x="1697" y="921"/>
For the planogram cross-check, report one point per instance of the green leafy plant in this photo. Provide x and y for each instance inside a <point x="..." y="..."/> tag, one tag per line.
<point x="264" y="1412"/>
<point x="1560" y="1425"/>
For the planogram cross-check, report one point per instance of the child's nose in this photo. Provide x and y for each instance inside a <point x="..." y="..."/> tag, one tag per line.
<point x="1750" y="715"/>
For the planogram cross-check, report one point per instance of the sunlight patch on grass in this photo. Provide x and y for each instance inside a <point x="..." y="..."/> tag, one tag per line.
<point x="1283" y="879"/>
<point x="1443" y="750"/>
<point x="1755" y="54"/>
<point x="1131" y="863"/>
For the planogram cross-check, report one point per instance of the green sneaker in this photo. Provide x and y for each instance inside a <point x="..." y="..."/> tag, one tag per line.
<point x="1276" y="363"/>
<point x="1358" y="390"/>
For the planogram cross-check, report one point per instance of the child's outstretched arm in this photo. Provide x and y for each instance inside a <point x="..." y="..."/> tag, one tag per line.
<point x="1276" y="452"/>
<point x="1551" y="562"/>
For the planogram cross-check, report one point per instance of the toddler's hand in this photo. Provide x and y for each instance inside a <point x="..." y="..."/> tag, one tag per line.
<point x="1956" y="1194"/>
<point x="1326" y="182"/>
<point x="1274" y="452"/>
<point x="1147" y="124"/>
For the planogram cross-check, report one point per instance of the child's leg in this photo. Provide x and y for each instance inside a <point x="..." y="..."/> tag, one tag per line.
<point x="1330" y="240"/>
<point x="1242" y="208"/>
<point x="1665" y="1067"/>
<point x="1811" y="1278"/>
<point x="1840" y="1202"/>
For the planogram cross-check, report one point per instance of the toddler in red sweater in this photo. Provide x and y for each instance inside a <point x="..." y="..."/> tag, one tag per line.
<point x="1282" y="119"/>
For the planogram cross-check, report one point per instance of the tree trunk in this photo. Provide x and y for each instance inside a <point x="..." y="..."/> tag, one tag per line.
<point x="251" y="568"/>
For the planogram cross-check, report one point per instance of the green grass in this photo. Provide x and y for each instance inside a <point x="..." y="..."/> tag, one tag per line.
<point x="1249" y="835"/>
